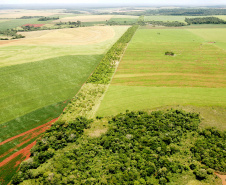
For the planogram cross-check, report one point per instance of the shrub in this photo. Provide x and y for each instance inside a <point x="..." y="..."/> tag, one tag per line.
<point x="200" y="174"/>
<point x="170" y="53"/>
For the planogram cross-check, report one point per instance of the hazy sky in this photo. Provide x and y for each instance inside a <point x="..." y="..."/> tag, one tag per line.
<point x="151" y="2"/>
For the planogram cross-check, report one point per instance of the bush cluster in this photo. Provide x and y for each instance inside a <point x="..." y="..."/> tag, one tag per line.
<point x="12" y="33"/>
<point x="83" y="103"/>
<point x="170" y="53"/>
<point x="210" y="149"/>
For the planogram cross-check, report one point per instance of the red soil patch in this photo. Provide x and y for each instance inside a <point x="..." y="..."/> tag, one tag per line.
<point x="25" y="152"/>
<point x="10" y="164"/>
<point x="27" y="132"/>
<point x="12" y="149"/>
<point x="35" y="25"/>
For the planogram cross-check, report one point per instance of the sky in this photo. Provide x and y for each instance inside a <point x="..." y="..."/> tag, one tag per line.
<point x="150" y="2"/>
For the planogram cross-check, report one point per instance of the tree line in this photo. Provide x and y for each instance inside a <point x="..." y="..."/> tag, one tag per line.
<point x="30" y="17"/>
<point x="47" y="18"/>
<point x="104" y="70"/>
<point x="167" y="23"/>
<point x="204" y="20"/>
<point x="187" y="11"/>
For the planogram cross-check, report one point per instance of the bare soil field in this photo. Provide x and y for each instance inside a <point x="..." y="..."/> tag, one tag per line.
<point x="86" y="18"/>
<point x="70" y="36"/>
<point x="11" y="14"/>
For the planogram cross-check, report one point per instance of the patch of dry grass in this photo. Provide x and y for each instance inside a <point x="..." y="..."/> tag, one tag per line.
<point x="17" y="13"/>
<point x="40" y="45"/>
<point x="86" y="18"/>
<point x="70" y="36"/>
<point x="98" y="127"/>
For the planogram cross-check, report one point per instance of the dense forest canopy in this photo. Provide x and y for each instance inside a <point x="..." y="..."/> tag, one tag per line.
<point x="138" y="148"/>
<point x="172" y="11"/>
<point x="187" y="12"/>
<point x="205" y="20"/>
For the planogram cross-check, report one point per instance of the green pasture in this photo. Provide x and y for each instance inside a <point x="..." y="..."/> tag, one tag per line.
<point x="17" y="54"/>
<point x="204" y="26"/>
<point x="167" y="18"/>
<point x="121" y="98"/>
<point x="175" y="18"/>
<point x="196" y="63"/>
<point x="30" y="86"/>
<point x="164" y="18"/>
<point x="4" y="20"/>
<point x="148" y="79"/>
<point x="221" y="17"/>
<point x="214" y="35"/>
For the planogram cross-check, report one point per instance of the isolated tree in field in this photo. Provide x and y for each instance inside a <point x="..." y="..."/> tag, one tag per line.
<point x="170" y="53"/>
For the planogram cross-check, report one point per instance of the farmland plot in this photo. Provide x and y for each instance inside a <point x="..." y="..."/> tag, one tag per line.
<point x="147" y="78"/>
<point x="39" y="76"/>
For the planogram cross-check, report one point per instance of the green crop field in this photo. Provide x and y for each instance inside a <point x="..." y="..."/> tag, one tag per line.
<point x="168" y="18"/>
<point x="164" y="18"/>
<point x="216" y="36"/>
<point x="4" y="20"/>
<point x="147" y="78"/>
<point x="145" y="62"/>
<point x="34" y="85"/>
<point x="173" y="18"/>
<point x="121" y="98"/>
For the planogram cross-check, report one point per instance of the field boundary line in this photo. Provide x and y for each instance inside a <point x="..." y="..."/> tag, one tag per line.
<point x="96" y="107"/>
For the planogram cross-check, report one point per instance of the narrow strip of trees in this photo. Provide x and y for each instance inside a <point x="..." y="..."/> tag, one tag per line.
<point x="104" y="70"/>
<point x="47" y="18"/>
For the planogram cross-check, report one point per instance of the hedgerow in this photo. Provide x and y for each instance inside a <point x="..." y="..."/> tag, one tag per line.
<point x="104" y="71"/>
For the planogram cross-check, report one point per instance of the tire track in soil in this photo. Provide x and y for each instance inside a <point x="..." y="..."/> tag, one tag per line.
<point x="29" y="131"/>
<point x="24" y="153"/>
